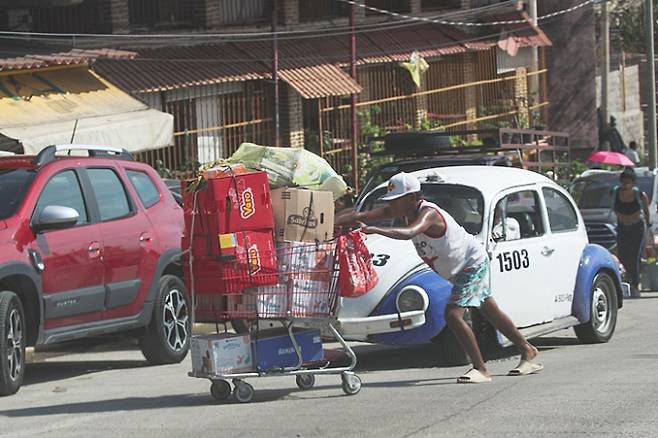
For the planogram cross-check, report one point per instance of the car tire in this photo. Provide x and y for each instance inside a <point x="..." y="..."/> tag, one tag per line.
<point x="12" y="343"/>
<point x="167" y="337"/>
<point x="603" y="312"/>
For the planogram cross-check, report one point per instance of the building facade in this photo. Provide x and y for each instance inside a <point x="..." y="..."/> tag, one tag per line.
<point x="221" y="89"/>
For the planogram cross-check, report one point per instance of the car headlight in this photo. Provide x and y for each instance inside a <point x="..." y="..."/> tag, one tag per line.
<point x="411" y="298"/>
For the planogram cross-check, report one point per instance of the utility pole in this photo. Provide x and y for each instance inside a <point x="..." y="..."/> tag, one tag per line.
<point x="275" y="72"/>
<point x="605" y="65"/>
<point x="355" y="121"/>
<point x="651" y="80"/>
<point x="534" y="79"/>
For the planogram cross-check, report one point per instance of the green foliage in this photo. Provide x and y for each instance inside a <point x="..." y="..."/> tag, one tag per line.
<point x="628" y="23"/>
<point x="163" y="171"/>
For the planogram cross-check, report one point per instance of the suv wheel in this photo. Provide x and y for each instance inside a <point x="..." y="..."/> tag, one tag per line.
<point x="167" y="337"/>
<point x="12" y="343"/>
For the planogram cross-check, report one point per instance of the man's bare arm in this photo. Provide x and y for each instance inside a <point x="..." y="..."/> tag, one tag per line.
<point x="368" y="217"/>
<point x="423" y="222"/>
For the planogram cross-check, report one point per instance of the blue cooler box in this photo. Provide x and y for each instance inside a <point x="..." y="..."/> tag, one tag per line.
<point x="274" y="349"/>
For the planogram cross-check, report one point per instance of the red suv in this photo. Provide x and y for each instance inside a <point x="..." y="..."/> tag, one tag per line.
<point x="90" y="245"/>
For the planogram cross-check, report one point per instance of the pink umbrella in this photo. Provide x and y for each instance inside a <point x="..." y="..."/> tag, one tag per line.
<point x="606" y="157"/>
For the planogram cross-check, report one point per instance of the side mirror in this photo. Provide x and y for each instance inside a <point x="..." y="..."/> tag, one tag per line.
<point x="55" y="217"/>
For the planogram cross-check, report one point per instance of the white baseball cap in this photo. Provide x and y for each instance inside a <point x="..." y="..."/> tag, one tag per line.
<point x="401" y="184"/>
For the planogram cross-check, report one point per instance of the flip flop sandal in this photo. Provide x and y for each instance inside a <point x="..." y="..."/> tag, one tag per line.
<point x="474" y="376"/>
<point x="526" y="367"/>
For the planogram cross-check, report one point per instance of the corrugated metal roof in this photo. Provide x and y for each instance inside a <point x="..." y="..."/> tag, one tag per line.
<point x="320" y="81"/>
<point x="73" y="57"/>
<point x="301" y="61"/>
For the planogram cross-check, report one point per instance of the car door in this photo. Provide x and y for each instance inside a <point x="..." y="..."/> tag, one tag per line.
<point x="72" y="277"/>
<point x="568" y="238"/>
<point x="521" y="265"/>
<point x="127" y="243"/>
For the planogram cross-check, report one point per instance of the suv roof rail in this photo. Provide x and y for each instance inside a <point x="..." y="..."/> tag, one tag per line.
<point x="48" y="153"/>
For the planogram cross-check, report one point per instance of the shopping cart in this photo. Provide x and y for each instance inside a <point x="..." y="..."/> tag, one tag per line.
<point x="297" y="285"/>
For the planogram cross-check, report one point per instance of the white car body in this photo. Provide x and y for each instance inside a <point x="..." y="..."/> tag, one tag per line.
<point x="533" y="279"/>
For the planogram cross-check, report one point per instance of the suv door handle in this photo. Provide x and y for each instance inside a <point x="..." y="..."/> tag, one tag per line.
<point x="145" y="237"/>
<point x="547" y="252"/>
<point x="94" y="250"/>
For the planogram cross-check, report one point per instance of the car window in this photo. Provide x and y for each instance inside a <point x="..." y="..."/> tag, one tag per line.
<point x="464" y="204"/>
<point x="597" y="192"/>
<point x="14" y="183"/>
<point x="110" y="194"/>
<point x="561" y="215"/>
<point x="146" y="190"/>
<point x="523" y="208"/>
<point x="63" y="190"/>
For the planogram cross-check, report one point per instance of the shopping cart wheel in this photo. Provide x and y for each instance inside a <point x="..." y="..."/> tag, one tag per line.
<point x="305" y="381"/>
<point x="220" y="389"/>
<point x="351" y="383"/>
<point x="243" y="392"/>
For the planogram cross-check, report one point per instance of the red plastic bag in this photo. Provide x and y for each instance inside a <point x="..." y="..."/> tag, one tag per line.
<point x="357" y="274"/>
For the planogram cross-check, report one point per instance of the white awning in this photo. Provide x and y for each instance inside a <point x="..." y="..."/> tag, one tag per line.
<point x="43" y="109"/>
<point x="134" y="131"/>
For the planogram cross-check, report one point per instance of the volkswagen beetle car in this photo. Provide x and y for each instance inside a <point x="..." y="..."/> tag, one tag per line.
<point x="546" y="276"/>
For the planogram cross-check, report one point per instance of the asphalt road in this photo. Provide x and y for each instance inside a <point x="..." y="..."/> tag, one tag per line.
<point x="585" y="390"/>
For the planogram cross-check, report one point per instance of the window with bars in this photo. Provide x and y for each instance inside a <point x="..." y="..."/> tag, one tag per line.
<point x="244" y="11"/>
<point x="399" y="6"/>
<point x="313" y="10"/>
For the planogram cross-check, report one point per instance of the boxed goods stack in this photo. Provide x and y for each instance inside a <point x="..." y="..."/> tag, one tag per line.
<point x="229" y="226"/>
<point x="303" y="223"/>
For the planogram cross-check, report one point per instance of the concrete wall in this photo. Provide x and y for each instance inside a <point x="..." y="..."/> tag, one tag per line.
<point x="624" y="101"/>
<point x="571" y="66"/>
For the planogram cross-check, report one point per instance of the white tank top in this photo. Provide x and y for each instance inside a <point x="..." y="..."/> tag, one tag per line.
<point x="452" y="252"/>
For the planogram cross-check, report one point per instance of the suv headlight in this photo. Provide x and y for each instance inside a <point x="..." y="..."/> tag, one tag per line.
<point x="411" y="298"/>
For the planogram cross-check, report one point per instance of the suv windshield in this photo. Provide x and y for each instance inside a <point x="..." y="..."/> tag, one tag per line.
<point x="464" y="204"/>
<point x="596" y="192"/>
<point x="13" y="186"/>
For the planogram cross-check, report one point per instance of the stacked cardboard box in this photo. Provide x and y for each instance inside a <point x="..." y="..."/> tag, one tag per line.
<point x="232" y="241"/>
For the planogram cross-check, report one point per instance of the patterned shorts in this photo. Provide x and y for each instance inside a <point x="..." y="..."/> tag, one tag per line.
<point x="471" y="286"/>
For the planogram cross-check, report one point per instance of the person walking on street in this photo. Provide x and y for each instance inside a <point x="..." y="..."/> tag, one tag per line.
<point x="631" y="205"/>
<point x="632" y="153"/>
<point x="454" y="254"/>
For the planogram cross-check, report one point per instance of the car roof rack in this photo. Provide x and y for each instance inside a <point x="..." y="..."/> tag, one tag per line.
<point x="48" y="153"/>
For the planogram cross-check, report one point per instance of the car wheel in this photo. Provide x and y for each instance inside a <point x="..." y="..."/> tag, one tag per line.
<point x="167" y="337"/>
<point x="12" y="343"/>
<point x="603" y="312"/>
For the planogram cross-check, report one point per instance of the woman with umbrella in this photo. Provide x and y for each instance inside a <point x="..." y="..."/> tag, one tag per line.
<point x="631" y="205"/>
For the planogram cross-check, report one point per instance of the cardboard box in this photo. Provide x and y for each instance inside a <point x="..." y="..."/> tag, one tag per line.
<point x="303" y="215"/>
<point x="273" y="349"/>
<point x="241" y="203"/>
<point x="221" y="353"/>
<point x="310" y="298"/>
<point x="269" y="301"/>
<point x="229" y="204"/>
<point x="250" y="260"/>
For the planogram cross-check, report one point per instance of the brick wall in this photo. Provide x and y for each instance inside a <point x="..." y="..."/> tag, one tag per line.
<point x="571" y="66"/>
<point x="289" y="12"/>
<point x="291" y="117"/>
<point x="624" y="101"/>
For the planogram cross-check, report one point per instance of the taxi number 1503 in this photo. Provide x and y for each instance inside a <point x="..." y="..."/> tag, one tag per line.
<point x="513" y="260"/>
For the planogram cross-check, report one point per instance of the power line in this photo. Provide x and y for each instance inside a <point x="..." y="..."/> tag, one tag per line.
<point x="255" y="36"/>
<point x="469" y="24"/>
